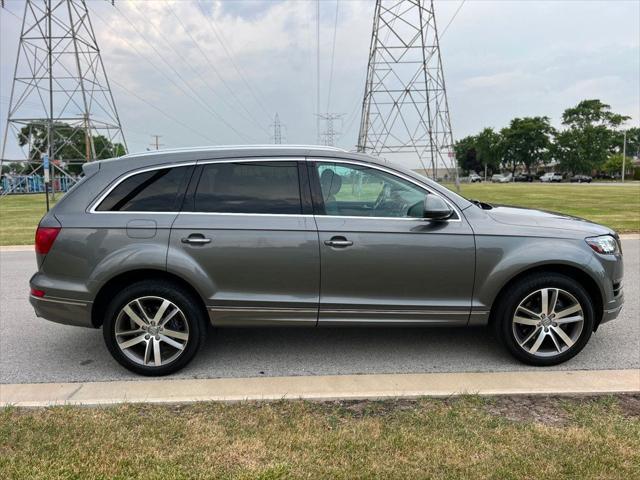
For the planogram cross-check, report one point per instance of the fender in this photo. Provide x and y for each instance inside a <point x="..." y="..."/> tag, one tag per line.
<point x="496" y="265"/>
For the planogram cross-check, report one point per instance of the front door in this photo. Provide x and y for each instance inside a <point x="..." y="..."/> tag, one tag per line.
<point x="380" y="261"/>
<point x="246" y="237"/>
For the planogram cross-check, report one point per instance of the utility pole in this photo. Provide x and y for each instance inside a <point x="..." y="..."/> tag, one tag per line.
<point x="318" y="70"/>
<point x="329" y="135"/>
<point x="156" y="143"/>
<point x="59" y="68"/>
<point x="624" y="152"/>
<point x="277" y="126"/>
<point x="405" y="112"/>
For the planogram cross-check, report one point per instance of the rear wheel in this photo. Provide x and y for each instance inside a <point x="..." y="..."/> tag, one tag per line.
<point x="545" y="319"/>
<point x="154" y="327"/>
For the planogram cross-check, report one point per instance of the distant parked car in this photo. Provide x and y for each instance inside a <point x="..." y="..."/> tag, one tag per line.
<point x="581" y="179"/>
<point x="474" y="177"/>
<point x="499" y="178"/>
<point x="551" y="177"/>
<point x="523" y="177"/>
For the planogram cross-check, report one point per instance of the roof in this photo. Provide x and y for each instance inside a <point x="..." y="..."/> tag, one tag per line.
<point x="178" y="155"/>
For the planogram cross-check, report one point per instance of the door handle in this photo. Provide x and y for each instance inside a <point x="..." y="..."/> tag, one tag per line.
<point x="338" y="242"/>
<point x="196" y="240"/>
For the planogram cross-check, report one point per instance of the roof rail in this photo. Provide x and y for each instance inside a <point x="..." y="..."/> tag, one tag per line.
<point x="234" y="147"/>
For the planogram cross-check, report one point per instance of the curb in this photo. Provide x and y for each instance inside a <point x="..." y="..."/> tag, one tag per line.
<point x="17" y="248"/>
<point x="330" y="387"/>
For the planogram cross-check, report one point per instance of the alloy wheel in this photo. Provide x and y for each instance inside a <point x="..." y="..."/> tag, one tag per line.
<point x="548" y="322"/>
<point x="151" y="331"/>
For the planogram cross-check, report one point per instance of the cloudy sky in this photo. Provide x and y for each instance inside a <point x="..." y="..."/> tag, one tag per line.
<point x="248" y="59"/>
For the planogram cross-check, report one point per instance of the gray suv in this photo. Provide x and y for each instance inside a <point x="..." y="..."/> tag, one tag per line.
<point x="156" y="246"/>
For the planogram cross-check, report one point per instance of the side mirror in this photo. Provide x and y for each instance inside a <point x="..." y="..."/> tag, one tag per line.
<point x="435" y="208"/>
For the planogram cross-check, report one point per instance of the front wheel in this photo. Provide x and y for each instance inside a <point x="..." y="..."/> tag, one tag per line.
<point x="545" y="319"/>
<point x="154" y="327"/>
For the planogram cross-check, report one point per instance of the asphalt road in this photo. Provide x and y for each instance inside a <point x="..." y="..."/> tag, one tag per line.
<point x="34" y="350"/>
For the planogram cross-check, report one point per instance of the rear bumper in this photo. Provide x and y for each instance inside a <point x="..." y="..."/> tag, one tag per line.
<point x="62" y="310"/>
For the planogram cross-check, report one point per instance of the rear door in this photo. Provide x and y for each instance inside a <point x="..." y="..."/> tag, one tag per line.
<point x="247" y="238"/>
<point x="380" y="261"/>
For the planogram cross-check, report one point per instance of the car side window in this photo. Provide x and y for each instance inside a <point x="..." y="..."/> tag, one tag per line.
<point x="249" y="187"/>
<point x="152" y="191"/>
<point x="360" y="191"/>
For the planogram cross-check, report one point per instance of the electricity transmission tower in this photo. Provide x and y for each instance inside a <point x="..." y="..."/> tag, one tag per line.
<point x="61" y="104"/>
<point x="329" y="135"/>
<point x="404" y="111"/>
<point x="277" y="130"/>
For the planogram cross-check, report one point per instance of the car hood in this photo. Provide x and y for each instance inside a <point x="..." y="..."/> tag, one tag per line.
<point x="526" y="217"/>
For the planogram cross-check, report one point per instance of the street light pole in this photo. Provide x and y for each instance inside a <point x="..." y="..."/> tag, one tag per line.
<point x="624" y="152"/>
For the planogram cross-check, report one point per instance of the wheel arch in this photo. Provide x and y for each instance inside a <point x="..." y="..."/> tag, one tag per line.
<point x="122" y="280"/>
<point x="583" y="278"/>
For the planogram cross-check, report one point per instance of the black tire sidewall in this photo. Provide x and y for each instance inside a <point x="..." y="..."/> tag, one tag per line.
<point x="526" y="286"/>
<point x="182" y="298"/>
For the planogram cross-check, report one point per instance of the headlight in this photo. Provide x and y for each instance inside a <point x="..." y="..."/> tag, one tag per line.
<point x="604" y="244"/>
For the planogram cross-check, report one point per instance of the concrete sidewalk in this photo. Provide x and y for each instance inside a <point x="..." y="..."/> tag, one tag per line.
<point x="321" y="387"/>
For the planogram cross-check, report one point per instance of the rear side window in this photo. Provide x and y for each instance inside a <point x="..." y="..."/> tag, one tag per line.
<point x="153" y="191"/>
<point x="251" y="187"/>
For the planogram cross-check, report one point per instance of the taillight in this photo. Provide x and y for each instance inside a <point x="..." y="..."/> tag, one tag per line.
<point x="45" y="236"/>
<point x="37" y="293"/>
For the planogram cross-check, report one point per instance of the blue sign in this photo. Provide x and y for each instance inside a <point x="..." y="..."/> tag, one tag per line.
<point x="45" y="162"/>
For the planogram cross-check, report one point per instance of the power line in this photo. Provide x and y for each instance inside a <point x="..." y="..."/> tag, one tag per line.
<point x="452" y="18"/>
<point x="333" y="51"/>
<point x="230" y="56"/>
<point x="177" y="73"/>
<point x="211" y="64"/>
<point x="204" y="79"/>
<point x="169" y="116"/>
<point x="5" y="9"/>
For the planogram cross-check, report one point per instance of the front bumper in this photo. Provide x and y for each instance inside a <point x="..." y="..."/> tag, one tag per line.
<point x="612" y="309"/>
<point x="63" y="310"/>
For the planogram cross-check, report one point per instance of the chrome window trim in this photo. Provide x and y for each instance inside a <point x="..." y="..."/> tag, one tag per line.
<point x="395" y="174"/>
<point x="97" y="202"/>
<point x="94" y="205"/>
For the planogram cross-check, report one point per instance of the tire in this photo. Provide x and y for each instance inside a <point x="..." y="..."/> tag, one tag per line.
<point x="555" y="347"/>
<point x="137" y="305"/>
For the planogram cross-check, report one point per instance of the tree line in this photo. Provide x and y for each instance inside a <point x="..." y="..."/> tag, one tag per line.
<point x="589" y="141"/>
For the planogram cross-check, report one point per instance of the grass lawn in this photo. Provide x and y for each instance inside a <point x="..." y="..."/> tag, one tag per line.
<point x="19" y="217"/>
<point x="468" y="437"/>
<point x="615" y="206"/>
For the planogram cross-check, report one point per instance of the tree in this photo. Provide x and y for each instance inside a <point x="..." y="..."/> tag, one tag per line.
<point x="589" y="138"/>
<point x="613" y="165"/>
<point x="633" y="141"/>
<point x="526" y="141"/>
<point x="466" y="154"/>
<point x="489" y="149"/>
<point x="69" y="143"/>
